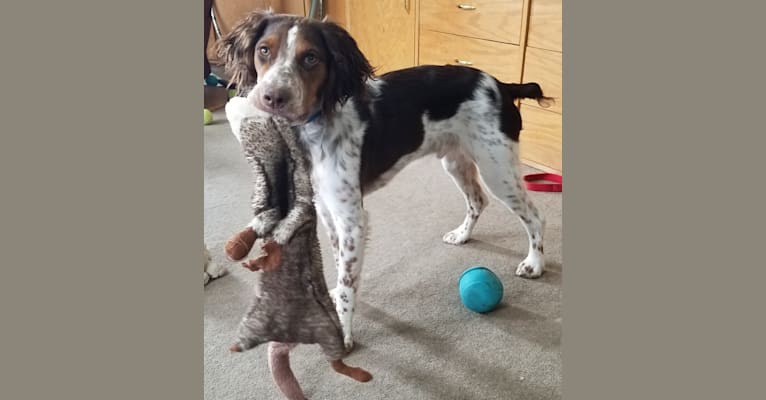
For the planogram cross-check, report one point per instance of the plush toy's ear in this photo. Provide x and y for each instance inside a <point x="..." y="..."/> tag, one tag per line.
<point x="348" y="68"/>
<point x="237" y="49"/>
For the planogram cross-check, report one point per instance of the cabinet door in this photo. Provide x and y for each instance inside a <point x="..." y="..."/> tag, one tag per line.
<point x="544" y="67"/>
<point x="385" y="32"/>
<point x="541" y="140"/>
<point x="545" y="24"/>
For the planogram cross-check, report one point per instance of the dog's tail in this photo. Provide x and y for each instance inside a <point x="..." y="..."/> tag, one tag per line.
<point x="529" y="90"/>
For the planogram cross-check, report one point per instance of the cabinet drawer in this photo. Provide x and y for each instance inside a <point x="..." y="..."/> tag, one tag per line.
<point x="498" y="59"/>
<point x="544" y="67"/>
<point x="545" y="25"/>
<point x="498" y="20"/>
<point x="540" y="140"/>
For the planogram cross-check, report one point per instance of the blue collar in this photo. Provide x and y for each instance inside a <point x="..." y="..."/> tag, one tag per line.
<point x="313" y="117"/>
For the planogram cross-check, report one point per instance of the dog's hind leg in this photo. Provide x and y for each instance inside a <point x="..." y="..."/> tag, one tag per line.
<point x="500" y="170"/>
<point x="465" y="175"/>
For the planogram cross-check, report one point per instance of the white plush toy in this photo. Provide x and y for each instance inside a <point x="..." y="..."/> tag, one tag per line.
<point x="211" y="269"/>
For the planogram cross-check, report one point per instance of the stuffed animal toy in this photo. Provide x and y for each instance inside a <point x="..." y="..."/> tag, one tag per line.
<point x="211" y="269"/>
<point x="291" y="304"/>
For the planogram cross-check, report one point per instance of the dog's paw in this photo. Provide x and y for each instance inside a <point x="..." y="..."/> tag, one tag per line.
<point x="348" y="342"/>
<point x="457" y="236"/>
<point x="207" y="278"/>
<point x="531" y="267"/>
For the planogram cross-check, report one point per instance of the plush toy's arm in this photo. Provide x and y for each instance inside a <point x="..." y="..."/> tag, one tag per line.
<point x="302" y="211"/>
<point x="299" y="215"/>
<point x="266" y="216"/>
<point x="264" y="222"/>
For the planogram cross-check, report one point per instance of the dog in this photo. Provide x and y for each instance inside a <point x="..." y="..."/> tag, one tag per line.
<point x="361" y="129"/>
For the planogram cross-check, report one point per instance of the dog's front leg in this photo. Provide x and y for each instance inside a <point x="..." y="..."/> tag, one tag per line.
<point x="325" y="217"/>
<point x="350" y="222"/>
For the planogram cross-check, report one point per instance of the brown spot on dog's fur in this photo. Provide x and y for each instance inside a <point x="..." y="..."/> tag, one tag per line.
<point x="349" y="263"/>
<point x="349" y="243"/>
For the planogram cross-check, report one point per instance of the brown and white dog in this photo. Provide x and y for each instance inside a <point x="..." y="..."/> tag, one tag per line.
<point x="361" y="129"/>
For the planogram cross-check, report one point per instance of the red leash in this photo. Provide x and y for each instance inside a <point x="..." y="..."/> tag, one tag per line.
<point x="535" y="182"/>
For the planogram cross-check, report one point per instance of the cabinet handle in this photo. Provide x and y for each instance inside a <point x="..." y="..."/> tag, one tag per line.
<point x="466" y="7"/>
<point x="407" y="6"/>
<point x="463" y="62"/>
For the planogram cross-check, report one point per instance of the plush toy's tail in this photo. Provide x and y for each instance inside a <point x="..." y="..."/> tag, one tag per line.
<point x="279" y="364"/>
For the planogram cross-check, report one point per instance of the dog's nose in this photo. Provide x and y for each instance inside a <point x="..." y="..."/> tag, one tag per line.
<point x="276" y="99"/>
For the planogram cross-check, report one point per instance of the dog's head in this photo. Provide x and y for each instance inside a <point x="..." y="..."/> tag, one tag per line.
<point x="293" y="66"/>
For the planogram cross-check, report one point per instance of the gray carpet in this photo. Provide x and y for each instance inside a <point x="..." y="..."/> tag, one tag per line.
<point x="411" y="331"/>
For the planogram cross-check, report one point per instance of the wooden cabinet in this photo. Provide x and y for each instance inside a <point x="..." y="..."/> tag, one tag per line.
<point x="484" y="34"/>
<point x="540" y="143"/>
<point x="544" y="67"/>
<point x="497" y="20"/>
<point x="542" y="135"/>
<point x="545" y="24"/>
<point x="498" y="59"/>
<point x="514" y="40"/>
<point x="384" y="31"/>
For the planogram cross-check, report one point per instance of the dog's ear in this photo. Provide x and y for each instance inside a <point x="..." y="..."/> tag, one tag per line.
<point x="348" y="68"/>
<point x="236" y="49"/>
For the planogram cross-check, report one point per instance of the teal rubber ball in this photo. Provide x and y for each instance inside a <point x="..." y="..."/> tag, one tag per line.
<point x="480" y="289"/>
<point x="211" y="80"/>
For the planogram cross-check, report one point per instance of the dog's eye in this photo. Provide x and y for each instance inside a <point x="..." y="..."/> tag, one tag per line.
<point x="310" y="59"/>
<point x="264" y="51"/>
